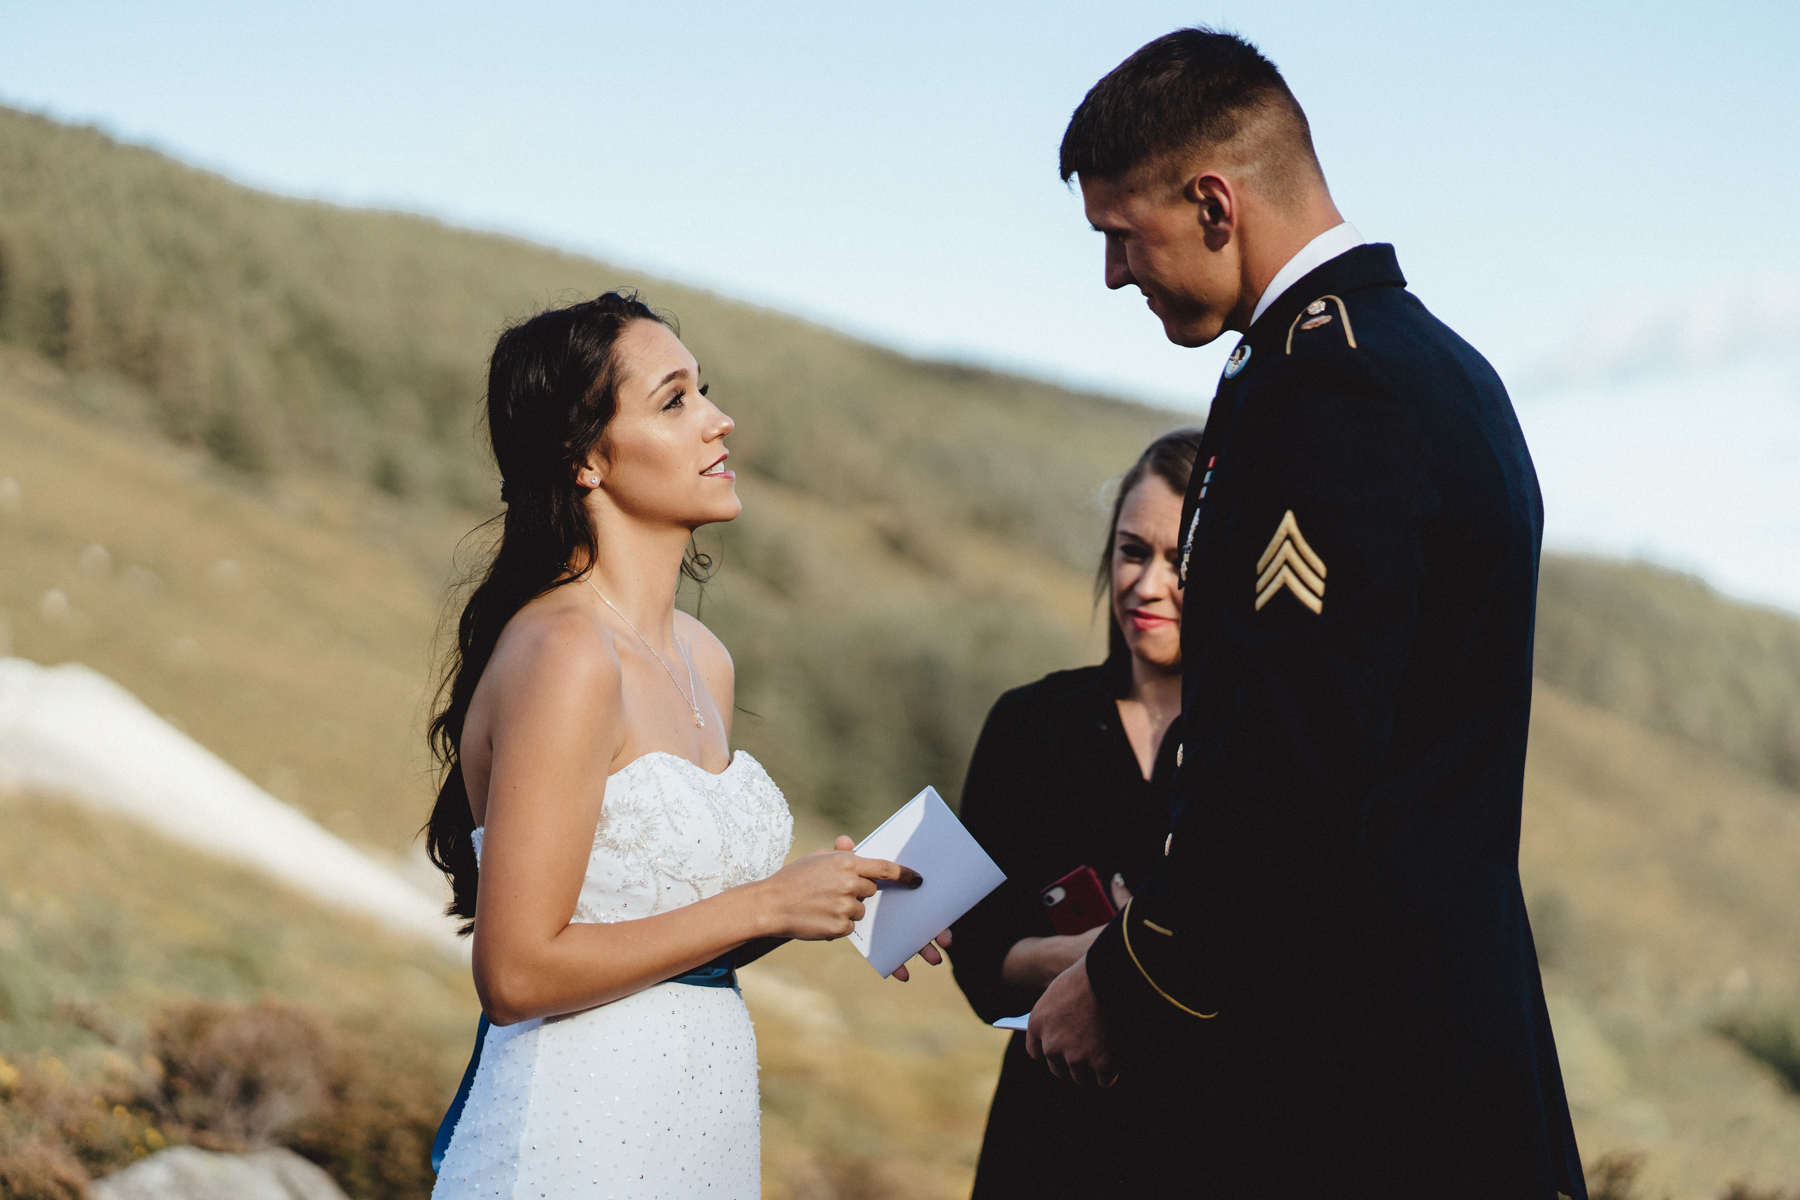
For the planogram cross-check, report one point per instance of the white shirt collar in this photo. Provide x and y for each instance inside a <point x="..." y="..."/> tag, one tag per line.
<point x="1316" y="253"/>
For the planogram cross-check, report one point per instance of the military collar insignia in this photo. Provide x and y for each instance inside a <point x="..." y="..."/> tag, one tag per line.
<point x="1238" y="358"/>
<point x="1289" y="562"/>
<point x="1315" y="315"/>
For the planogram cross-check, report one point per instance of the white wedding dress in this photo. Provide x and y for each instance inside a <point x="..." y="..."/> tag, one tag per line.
<point x="653" y="1095"/>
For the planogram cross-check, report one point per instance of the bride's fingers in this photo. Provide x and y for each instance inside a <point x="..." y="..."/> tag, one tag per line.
<point x="900" y="973"/>
<point x="930" y="954"/>
<point x="943" y="939"/>
<point x="843" y="843"/>
<point x="890" y="872"/>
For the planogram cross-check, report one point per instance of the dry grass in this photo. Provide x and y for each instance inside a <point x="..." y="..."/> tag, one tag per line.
<point x="331" y="360"/>
<point x="321" y="1033"/>
<point x="150" y="995"/>
<point x="231" y="1077"/>
<point x="1673" y="655"/>
<point x="870" y="1087"/>
<point x="289" y="626"/>
<point x="193" y="376"/>
<point x="1665" y="889"/>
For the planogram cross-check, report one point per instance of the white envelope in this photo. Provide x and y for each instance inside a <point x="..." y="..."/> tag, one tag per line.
<point x="926" y="836"/>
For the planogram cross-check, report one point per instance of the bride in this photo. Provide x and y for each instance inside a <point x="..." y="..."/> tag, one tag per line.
<point x="611" y="852"/>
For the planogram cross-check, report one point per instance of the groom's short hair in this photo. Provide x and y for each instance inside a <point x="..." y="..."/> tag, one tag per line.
<point x="1192" y="93"/>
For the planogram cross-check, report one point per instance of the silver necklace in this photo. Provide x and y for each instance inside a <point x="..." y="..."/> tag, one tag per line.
<point x="692" y="695"/>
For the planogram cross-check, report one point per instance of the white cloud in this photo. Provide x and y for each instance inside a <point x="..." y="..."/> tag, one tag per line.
<point x="1671" y="431"/>
<point x="1634" y="336"/>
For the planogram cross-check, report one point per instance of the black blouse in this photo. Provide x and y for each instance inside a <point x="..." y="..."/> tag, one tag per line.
<point x="1053" y="785"/>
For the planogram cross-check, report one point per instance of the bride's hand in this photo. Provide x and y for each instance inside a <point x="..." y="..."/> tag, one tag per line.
<point x="930" y="952"/>
<point x="820" y="896"/>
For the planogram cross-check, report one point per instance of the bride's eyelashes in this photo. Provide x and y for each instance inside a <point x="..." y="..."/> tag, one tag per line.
<point x="675" y="400"/>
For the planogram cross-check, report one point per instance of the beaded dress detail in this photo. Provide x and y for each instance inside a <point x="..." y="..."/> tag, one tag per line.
<point x="654" y="1094"/>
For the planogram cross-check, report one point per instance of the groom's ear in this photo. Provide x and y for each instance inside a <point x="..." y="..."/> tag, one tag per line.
<point x="1216" y="207"/>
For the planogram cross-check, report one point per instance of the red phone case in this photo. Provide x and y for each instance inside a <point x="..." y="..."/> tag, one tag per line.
<point x="1076" y="902"/>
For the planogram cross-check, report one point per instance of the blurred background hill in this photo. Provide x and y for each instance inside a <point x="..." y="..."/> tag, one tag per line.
<point x="239" y="471"/>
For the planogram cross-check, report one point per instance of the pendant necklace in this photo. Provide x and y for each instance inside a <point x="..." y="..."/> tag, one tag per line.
<point x="692" y="696"/>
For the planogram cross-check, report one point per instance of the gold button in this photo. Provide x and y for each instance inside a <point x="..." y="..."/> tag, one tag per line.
<point x="1167" y="842"/>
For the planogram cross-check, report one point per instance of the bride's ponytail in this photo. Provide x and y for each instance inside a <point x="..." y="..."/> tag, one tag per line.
<point x="550" y="397"/>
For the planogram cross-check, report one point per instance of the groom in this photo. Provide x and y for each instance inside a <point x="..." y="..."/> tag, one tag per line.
<point x="1332" y="978"/>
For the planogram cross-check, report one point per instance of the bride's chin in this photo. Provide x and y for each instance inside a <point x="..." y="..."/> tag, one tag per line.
<point x="724" y="511"/>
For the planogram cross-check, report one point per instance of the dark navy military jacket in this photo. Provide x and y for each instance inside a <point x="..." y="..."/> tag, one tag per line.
<point x="1335" y="957"/>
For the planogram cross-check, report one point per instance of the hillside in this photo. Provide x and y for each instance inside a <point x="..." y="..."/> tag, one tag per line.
<point x="133" y="969"/>
<point x="870" y="1088"/>
<point x="333" y="359"/>
<point x="1671" y="654"/>
<point x="235" y="473"/>
<point x="1664" y="890"/>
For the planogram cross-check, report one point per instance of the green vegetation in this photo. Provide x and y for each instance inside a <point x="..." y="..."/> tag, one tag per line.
<point x="278" y="400"/>
<point x="284" y="337"/>
<point x="1666" y="651"/>
<point x="270" y="330"/>
<point x="1772" y="1039"/>
<point x="151" y="996"/>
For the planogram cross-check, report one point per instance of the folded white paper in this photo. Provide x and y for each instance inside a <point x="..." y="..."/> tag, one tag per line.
<point x="926" y="836"/>
<point x="1021" y="1023"/>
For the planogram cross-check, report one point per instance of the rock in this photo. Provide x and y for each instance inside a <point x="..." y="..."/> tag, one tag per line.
<point x="184" y="1173"/>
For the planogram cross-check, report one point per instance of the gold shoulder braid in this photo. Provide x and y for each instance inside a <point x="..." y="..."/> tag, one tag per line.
<point x="1126" y="930"/>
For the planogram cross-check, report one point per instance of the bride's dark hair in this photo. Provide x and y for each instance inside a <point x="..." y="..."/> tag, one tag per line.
<point x="550" y="396"/>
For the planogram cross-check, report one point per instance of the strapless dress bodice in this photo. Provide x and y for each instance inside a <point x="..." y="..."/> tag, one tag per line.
<point x="672" y="832"/>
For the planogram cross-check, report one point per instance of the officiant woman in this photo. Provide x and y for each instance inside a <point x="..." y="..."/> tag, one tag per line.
<point x="1069" y="772"/>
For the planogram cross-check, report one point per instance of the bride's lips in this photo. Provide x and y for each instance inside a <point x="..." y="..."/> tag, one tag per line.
<point x="1142" y="620"/>
<point x="713" y="471"/>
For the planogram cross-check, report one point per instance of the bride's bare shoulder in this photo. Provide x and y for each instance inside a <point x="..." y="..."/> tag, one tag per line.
<point x="557" y="644"/>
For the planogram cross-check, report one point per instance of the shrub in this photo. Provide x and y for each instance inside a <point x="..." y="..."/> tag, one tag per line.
<point x="230" y="1077"/>
<point x="274" y="1073"/>
<point x="39" y="1170"/>
<point x="1770" y="1038"/>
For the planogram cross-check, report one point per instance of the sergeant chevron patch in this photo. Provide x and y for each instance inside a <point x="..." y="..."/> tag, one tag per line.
<point x="1289" y="562"/>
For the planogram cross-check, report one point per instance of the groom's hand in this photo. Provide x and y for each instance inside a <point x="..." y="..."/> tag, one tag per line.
<point x="930" y="954"/>
<point x="1068" y="1031"/>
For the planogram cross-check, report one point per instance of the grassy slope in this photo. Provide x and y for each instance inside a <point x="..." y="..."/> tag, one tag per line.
<point x="920" y="527"/>
<point x="1672" y="654"/>
<point x="870" y="1088"/>
<point x="335" y="357"/>
<point x="103" y="924"/>
<point x="1664" y="886"/>
<point x="1646" y="916"/>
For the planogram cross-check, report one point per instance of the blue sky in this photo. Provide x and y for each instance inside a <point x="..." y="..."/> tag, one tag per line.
<point x="891" y="169"/>
<point x="1601" y="196"/>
